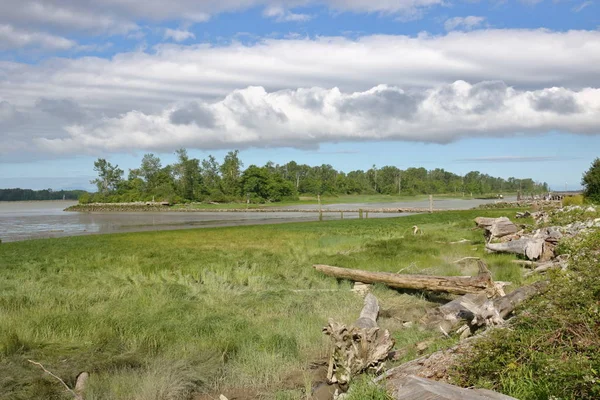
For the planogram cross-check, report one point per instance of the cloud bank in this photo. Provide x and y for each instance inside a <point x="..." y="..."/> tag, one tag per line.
<point x="305" y="118"/>
<point x="303" y="92"/>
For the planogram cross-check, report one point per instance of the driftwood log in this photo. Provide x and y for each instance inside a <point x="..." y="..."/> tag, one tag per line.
<point x="496" y="227"/>
<point x="360" y="348"/>
<point x="477" y="310"/>
<point x="482" y="283"/>
<point x="414" y="387"/>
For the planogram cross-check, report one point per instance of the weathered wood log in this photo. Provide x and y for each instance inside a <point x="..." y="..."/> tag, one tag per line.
<point x="81" y="384"/>
<point x="482" y="283"/>
<point x="477" y="310"/>
<point x="525" y="263"/>
<point x="533" y="248"/>
<point x="362" y="347"/>
<point x="496" y="227"/>
<point x="414" y="387"/>
<point x="369" y="313"/>
<point x="559" y="263"/>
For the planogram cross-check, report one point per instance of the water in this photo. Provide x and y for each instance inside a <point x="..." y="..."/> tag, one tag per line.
<point x="45" y="219"/>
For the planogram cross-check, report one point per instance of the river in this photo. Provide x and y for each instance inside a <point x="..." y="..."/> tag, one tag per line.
<point x="46" y="219"/>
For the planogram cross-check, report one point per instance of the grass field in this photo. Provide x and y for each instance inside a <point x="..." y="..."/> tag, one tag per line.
<point x="174" y="314"/>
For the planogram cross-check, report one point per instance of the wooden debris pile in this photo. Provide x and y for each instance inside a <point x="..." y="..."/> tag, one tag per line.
<point x="359" y="348"/>
<point x="537" y="246"/>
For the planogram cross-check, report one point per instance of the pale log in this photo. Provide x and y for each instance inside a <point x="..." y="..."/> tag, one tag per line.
<point x="361" y="347"/>
<point x="482" y="283"/>
<point x="477" y="308"/>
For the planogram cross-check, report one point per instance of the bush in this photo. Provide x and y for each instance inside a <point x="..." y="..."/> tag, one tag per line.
<point x="591" y="181"/>
<point x="553" y="349"/>
<point x="573" y="200"/>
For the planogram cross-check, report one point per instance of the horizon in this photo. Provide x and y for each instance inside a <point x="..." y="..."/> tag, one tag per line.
<point x="504" y="88"/>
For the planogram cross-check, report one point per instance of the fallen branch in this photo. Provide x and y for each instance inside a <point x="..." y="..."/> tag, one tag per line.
<point x="79" y="385"/>
<point x="482" y="283"/>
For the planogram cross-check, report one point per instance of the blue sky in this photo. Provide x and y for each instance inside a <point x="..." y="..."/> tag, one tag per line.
<point x="509" y="88"/>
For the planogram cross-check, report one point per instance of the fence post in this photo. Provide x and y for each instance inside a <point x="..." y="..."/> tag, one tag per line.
<point x="431" y="203"/>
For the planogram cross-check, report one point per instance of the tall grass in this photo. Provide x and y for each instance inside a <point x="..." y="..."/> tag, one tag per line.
<point x="160" y="315"/>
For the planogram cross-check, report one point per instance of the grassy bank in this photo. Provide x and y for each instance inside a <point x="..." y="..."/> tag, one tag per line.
<point x="162" y="315"/>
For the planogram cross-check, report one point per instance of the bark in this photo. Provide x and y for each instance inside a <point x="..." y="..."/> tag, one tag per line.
<point x="482" y="283"/>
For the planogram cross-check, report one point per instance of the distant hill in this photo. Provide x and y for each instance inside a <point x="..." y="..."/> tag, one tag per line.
<point x="18" y="194"/>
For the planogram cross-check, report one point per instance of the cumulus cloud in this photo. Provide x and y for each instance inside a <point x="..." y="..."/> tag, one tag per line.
<point x="523" y="81"/>
<point x="466" y="23"/>
<point x="305" y="118"/>
<point x="11" y="38"/>
<point x="178" y="35"/>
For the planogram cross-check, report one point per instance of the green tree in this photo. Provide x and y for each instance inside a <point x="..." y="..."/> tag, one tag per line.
<point x="210" y="175"/>
<point x="149" y="171"/>
<point x="109" y="176"/>
<point x="230" y="173"/>
<point x="187" y="174"/>
<point x="591" y="181"/>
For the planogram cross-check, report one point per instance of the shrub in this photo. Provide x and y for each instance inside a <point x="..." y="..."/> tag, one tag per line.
<point x="573" y="200"/>
<point x="553" y="349"/>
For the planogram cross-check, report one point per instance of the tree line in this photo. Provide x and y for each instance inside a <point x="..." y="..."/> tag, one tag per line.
<point x="18" y="194"/>
<point x="191" y="179"/>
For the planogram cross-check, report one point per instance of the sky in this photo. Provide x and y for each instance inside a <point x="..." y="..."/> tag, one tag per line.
<point x="508" y="88"/>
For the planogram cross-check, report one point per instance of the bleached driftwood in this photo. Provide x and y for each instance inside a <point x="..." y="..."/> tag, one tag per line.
<point x="496" y="227"/>
<point x="414" y="387"/>
<point x="477" y="310"/>
<point x="362" y="347"/>
<point x="559" y="263"/>
<point x="482" y="283"/>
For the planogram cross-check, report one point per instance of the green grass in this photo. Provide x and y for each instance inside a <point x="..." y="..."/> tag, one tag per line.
<point x="160" y="315"/>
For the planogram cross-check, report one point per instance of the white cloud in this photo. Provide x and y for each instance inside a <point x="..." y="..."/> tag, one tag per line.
<point x="282" y="15"/>
<point x="305" y="118"/>
<point x="146" y="82"/>
<point x="179" y="35"/>
<point x="466" y="23"/>
<point x="119" y="17"/>
<point x="187" y="95"/>
<point x="11" y="38"/>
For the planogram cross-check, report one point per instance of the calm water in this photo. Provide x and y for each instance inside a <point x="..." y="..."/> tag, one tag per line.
<point x="44" y="219"/>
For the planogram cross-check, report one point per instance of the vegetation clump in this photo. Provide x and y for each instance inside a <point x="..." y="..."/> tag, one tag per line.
<point x="552" y="350"/>
<point x="591" y="181"/>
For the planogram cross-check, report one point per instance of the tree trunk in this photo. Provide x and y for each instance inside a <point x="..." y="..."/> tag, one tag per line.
<point x="362" y="347"/>
<point x="482" y="283"/>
